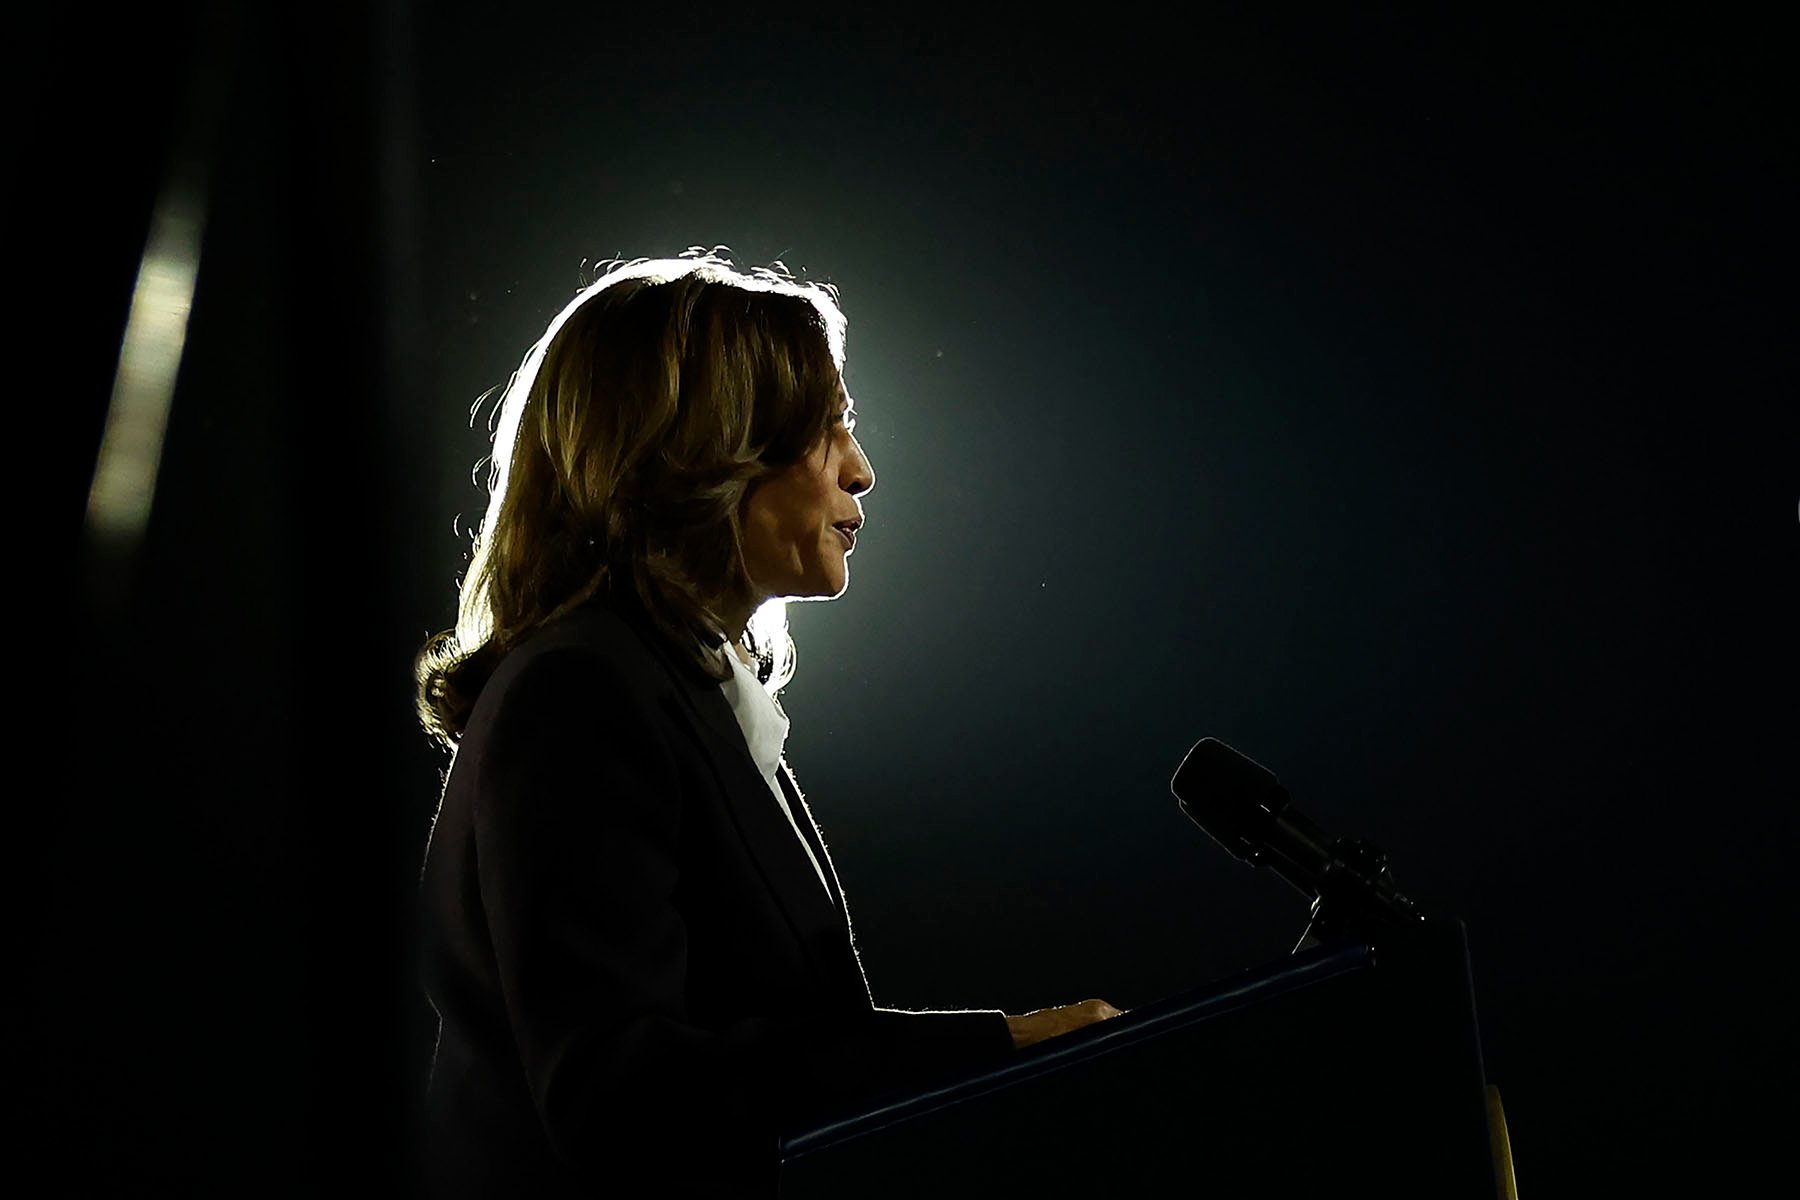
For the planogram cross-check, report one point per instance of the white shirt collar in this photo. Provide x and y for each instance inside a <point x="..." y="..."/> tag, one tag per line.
<point x="765" y="728"/>
<point x="758" y="713"/>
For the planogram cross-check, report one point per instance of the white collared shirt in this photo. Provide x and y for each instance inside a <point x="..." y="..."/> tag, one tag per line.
<point x="765" y="727"/>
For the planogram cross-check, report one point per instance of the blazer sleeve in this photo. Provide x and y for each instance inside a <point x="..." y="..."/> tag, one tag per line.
<point x="577" y="825"/>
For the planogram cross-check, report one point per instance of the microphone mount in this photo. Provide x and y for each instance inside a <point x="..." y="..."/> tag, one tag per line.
<point x="1241" y="805"/>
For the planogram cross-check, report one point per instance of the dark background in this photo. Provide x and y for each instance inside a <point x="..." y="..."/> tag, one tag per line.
<point x="1400" y="400"/>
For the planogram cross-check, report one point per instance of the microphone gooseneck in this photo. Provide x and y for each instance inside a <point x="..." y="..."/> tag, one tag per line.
<point x="1240" y="804"/>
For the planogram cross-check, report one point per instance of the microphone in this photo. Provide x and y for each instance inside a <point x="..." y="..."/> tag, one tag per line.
<point x="1240" y="804"/>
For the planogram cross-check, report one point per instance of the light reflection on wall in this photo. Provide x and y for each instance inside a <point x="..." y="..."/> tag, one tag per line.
<point x="149" y="360"/>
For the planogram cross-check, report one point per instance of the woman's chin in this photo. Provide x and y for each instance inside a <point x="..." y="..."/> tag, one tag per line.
<point x="831" y="588"/>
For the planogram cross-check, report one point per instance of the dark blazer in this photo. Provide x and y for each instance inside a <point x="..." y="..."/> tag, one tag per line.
<point x="640" y="983"/>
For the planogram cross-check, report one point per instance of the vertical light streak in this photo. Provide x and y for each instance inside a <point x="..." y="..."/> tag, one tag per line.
<point x="124" y="483"/>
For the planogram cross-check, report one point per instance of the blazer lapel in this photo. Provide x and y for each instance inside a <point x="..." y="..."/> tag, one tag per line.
<point x="765" y="830"/>
<point x="809" y="829"/>
<point x="779" y="855"/>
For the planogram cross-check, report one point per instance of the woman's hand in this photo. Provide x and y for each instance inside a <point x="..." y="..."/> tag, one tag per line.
<point x="1044" y="1023"/>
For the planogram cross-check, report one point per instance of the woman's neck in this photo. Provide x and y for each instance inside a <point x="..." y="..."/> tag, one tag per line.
<point x="735" y="618"/>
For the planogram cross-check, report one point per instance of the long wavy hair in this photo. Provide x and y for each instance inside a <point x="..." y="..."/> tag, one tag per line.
<point x="625" y="445"/>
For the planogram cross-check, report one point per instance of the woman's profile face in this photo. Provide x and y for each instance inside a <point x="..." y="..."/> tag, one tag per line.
<point x="792" y="543"/>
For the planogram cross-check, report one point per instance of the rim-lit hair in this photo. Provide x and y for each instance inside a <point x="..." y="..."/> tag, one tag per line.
<point x="624" y="447"/>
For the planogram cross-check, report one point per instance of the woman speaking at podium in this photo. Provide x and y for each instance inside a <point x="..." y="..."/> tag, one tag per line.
<point x="641" y="961"/>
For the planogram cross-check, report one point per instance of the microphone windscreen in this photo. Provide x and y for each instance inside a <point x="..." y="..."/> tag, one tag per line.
<point x="1234" y="798"/>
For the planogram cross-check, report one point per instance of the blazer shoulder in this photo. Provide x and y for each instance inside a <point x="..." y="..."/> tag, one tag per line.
<point x="597" y="641"/>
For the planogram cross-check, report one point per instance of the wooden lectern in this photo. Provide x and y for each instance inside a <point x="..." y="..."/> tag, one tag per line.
<point x="1349" y="1069"/>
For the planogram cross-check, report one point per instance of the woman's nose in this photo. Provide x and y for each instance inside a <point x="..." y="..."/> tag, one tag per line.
<point x="859" y="476"/>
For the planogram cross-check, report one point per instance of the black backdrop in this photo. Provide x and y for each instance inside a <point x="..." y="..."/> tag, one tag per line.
<point x="1400" y="401"/>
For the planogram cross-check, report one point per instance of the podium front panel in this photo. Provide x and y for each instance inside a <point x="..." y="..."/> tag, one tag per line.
<point x="1366" y="1074"/>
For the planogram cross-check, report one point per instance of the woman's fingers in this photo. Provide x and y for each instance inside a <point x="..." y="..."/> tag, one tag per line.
<point x="1034" y="1027"/>
<point x="1102" y="1010"/>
